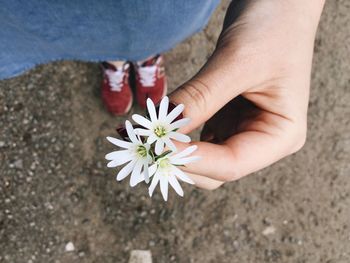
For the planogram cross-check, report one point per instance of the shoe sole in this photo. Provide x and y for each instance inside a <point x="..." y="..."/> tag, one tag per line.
<point x="128" y="107"/>
<point x="165" y="91"/>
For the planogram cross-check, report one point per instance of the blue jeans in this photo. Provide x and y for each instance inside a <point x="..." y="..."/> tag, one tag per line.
<point x="39" y="31"/>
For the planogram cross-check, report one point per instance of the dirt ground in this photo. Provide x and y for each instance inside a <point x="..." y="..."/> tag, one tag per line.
<point x="55" y="188"/>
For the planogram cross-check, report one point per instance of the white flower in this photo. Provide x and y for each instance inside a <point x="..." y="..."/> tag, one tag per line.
<point x="136" y="153"/>
<point x="161" y="129"/>
<point x="166" y="172"/>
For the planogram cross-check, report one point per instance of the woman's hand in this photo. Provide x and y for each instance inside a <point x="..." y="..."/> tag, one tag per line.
<point x="252" y="94"/>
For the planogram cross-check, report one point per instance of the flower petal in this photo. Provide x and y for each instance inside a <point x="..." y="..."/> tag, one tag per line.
<point x="131" y="133"/>
<point x="117" y="155"/>
<point x="179" y="137"/>
<point x="159" y="146"/>
<point x="117" y="162"/>
<point x="142" y="121"/>
<point x="142" y="132"/>
<point x="112" y="164"/>
<point x="154" y="183"/>
<point x="170" y="144"/>
<point x="174" y="113"/>
<point x="136" y="176"/>
<point x="152" y="169"/>
<point x="152" y="138"/>
<point x="164" y="186"/>
<point x="163" y="108"/>
<point x="180" y="123"/>
<point x="186" y="160"/>
<point x="175" y="184"/>
<point x="182" y="176"/>
<point x="119" y="143"/>
<point x="145" y="174"/>
<point x="126" y="170"/>
<point x="184" y="153"/>
<point x="151" y="110"/>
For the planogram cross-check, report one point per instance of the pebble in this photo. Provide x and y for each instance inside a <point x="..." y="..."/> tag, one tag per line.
<point x="140" y="256"/>
<point x="269" y="230"/>
<point x="69" y="247"/>
<point x="2" y="144"/>
<point x="32" y="166"/>
<point x="18" y="164"/>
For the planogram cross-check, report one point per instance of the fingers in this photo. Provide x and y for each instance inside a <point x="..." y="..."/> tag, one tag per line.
<point x="215" y="160"/>
<point x="242" y="154"/>
<point x="205" y="182"/>
<point x="209" y="90"/>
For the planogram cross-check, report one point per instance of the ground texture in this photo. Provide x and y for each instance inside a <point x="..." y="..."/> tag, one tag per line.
<point x="55" y="188"/>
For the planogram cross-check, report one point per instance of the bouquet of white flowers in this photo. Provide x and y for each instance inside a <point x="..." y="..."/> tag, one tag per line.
<point x="149" y="152"/>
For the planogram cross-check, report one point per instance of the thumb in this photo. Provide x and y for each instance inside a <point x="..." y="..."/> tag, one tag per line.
<point x="217" y="83"/>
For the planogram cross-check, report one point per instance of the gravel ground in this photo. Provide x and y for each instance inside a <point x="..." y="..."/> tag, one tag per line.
<point x="59" y="203"/>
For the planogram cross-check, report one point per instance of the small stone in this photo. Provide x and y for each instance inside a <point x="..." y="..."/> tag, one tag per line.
<point x="143" y="214"/>
<point x="49" y="206"/>
<point x="18" y="164"/>
<point x="151" y="243"/>
<point x="269" y="230"/>
<point x="69" y="247"/>
<point x="140" y="256"/>
<point x="32" y="166"/>
<point x="2" y="144"/>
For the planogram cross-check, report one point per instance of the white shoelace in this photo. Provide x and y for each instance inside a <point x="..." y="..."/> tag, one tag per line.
<point x="148" y="75"/>
<point x="115" y="79"/>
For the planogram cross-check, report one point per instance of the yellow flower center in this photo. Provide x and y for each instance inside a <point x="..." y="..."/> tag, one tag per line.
<point x="160" y="131"/>
<point x="164" y="163"/>
<point x="141" y="151"/>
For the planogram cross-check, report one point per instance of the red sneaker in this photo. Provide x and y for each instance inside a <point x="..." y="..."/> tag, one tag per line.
<point x="116" y="92"/>
<point x="150" y="80"/>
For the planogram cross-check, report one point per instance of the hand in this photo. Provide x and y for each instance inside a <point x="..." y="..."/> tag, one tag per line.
<point x="252" y="94"/>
